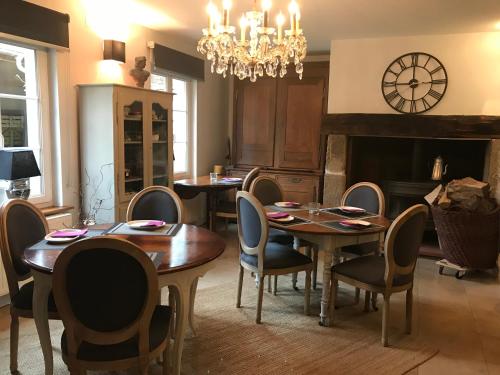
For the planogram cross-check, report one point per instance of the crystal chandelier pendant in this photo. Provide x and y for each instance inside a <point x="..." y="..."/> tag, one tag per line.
<point x="268" y="50"/>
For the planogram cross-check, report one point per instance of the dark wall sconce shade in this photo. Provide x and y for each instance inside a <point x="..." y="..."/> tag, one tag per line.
<point x="114" y="50"/>
<point x="17" y="163"/>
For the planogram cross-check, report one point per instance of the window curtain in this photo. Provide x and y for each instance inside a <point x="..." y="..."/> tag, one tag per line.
<point x="27" y="20"/>
<point x="170" y="60"/>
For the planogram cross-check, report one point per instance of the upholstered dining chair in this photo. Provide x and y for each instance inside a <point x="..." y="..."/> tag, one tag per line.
<point x="21" y="225"/>
<point x="369" y="196"/>
<point x="157" y="203"/>
<point x="391" y="274"/>
<point x="268" y="191"/>
<point x="262" y="257"/>
<point x="106" y="291"/>
<point x="226" y="209"/>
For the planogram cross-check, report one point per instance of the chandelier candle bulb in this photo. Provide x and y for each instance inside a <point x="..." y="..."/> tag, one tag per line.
<point x="243" y="27"/>
<point x="293" y="8"/>
<point x="266" y="6"/>
<point x="226" y="6"/>
<point x="280" y="20"/>
<point x="211" y="10"/>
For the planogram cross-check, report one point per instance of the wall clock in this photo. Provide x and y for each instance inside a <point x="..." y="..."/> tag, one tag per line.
<point x="414" y="83"/>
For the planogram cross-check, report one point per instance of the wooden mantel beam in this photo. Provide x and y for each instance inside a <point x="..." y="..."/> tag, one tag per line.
<point x="412" y="126"/>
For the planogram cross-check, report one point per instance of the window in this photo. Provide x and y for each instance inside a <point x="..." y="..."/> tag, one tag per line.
<point x="182" y="120"/>
<point x="24" y="110"/>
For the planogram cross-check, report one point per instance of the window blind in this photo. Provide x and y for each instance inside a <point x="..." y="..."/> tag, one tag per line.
<point x="174" y="61"/>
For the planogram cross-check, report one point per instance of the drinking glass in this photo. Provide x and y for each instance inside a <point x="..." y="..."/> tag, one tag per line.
<point x="313" y="208"/>
<point x="213" y="177"/>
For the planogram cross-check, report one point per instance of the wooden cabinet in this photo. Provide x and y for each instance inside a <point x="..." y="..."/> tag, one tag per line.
<point x="125" y="146"/>
<point x="277" y="126"/>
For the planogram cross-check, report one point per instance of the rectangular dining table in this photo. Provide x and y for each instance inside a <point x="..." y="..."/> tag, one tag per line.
<point x="321" y="230"/>
<point x="180" y="259"/>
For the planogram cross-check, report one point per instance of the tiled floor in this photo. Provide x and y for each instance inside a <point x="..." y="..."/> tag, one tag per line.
<point x="459" y="317"/>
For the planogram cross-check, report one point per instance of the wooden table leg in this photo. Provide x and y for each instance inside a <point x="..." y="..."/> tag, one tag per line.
<point x="41" y="292"/>
<point x="191" y="306"/>
<point x="296" y="246"/>
<point x="212" y="210"/>
<point x="325" y="296"/>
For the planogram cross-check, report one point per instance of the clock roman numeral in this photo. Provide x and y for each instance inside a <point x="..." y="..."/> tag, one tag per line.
<point x="400" y="104"/>
<point x="426" y="104"/>
<point x="391" y="96"/>
<point x="413" y="106"/>
<point x="402" y="64"/>
<point x="414" y="59"/>
<point x="436" y="70"/>
<point x="439" y="81"/>
<point x="427" y="62"/>
<point x="389" y="83"/>
<point x="436" y="95"/>
<point x="393" y="72"/>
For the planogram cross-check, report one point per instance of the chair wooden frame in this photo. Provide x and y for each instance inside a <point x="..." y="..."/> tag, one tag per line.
<point x="297" y="243"/>
<point x="381" y="212"/>
<point x="391" y="269"/>
<point x="13" y="278"/>
<point x="76" y="332"/>
<point x="173" y="195"/>
<point x="259" y="251"/>
<point x="244" y="187"/>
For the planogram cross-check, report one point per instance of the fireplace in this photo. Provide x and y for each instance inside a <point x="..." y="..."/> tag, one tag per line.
<point x="397" y="152"/>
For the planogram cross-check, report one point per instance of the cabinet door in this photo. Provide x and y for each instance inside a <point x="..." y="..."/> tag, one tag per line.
<point x="300" y="108"/>
<point x="160" y="147"/>
<point x="255" y="109"/>
<point x="131" y="131"/>
<point x="297" y="188"/>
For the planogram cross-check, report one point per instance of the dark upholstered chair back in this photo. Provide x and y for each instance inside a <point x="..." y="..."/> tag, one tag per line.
<point x="253" y="229"/>
<point x="249" y="179"/>
<point x="267" y="190"/>
<point x="103" y="286"/>
<point x="156" y="203"/>
<point x="404" y="238"/>
<point x="21" y="225"/>
<point x="365" y="195"/>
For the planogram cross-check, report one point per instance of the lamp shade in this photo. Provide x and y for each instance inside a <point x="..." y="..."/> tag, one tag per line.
<point x="17" y="163"/>
<point x="113" y="50"/>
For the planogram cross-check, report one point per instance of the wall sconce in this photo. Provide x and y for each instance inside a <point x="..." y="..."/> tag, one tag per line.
<point x="114" y="50"/>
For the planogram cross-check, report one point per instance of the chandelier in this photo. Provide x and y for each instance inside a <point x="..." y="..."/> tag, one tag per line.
<point x="268" y="50"/>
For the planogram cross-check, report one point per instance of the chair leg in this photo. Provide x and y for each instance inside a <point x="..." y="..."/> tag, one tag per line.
<point x="14" y="342"/>
<point x="333" y="298"/>
<point x="367" y="301"/>
<point x="385" y="319"/>
<point x="165" y="358"/>
<point x="315" y="266"/>
<point x="275" y="289"/>
<point x="259" y="300"/>
<point x="307" y="294"/>
<point x="240" y="286"/>
<point x="374" y="301"/>
<point x="409" y="310"/>
<point x="269" y="281"/>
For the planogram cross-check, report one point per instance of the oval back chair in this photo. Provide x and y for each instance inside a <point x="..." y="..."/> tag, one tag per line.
<point x="156" y="203"/>
<point x="365" y="195"/>
<point x="22" y="224"/>
<point x="106" y="290"/>
<point x="267" y="190"/>
<point x="249" y="179"/>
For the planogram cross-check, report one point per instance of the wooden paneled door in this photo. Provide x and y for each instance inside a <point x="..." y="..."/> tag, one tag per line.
<point x="301" y="105"/>
<point x="255" y="121"/>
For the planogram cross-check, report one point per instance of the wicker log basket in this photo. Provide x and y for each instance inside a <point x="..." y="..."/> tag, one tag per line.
<point x="468" y="239"/>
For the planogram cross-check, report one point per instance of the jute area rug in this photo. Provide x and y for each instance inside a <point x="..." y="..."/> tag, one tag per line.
<point x="287" y="342"/>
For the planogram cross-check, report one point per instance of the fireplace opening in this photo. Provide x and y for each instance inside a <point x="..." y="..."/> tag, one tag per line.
<point x="402" y="167"/>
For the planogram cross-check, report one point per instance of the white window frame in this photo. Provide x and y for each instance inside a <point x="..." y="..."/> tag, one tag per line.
<point x="45" y="199"/>
<point x="191" y="120"/>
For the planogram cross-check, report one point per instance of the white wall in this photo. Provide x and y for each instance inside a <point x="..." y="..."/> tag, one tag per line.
<point x="472" y="62"/>
<point x="85" y="65"/>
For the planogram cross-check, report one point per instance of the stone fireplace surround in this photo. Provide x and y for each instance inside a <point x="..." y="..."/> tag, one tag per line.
<point x="338" y="127"/>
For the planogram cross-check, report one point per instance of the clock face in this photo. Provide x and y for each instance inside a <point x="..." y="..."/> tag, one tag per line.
<point x="414" y="83"/>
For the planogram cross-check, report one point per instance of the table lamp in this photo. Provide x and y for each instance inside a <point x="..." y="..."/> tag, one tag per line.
<point x="17" y="165"/>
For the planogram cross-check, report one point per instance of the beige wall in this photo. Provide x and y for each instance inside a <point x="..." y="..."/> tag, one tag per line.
<point x="84" y="65"/>
<point x="471" y="60"/>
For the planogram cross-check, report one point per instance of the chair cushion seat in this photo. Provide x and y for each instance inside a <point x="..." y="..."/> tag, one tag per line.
<point x="279" y="236"/>
<point x="278" y="256"/>
<point x="158" y="330"/>
<point x="24" y="299"/>
<point x="362" y="248"/>
<point x="369" y="269"/>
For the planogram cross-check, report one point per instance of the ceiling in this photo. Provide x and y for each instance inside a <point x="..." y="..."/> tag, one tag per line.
<point x="324" y="20"/>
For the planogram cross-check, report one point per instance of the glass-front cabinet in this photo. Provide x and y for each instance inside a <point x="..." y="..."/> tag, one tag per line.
<point x="130" y="130"/>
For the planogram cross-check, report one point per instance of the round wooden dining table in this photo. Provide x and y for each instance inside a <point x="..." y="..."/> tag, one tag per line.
<point x="190" y="188"/>
<point x="317" y="229"/>
<point x="182" y="259"/>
